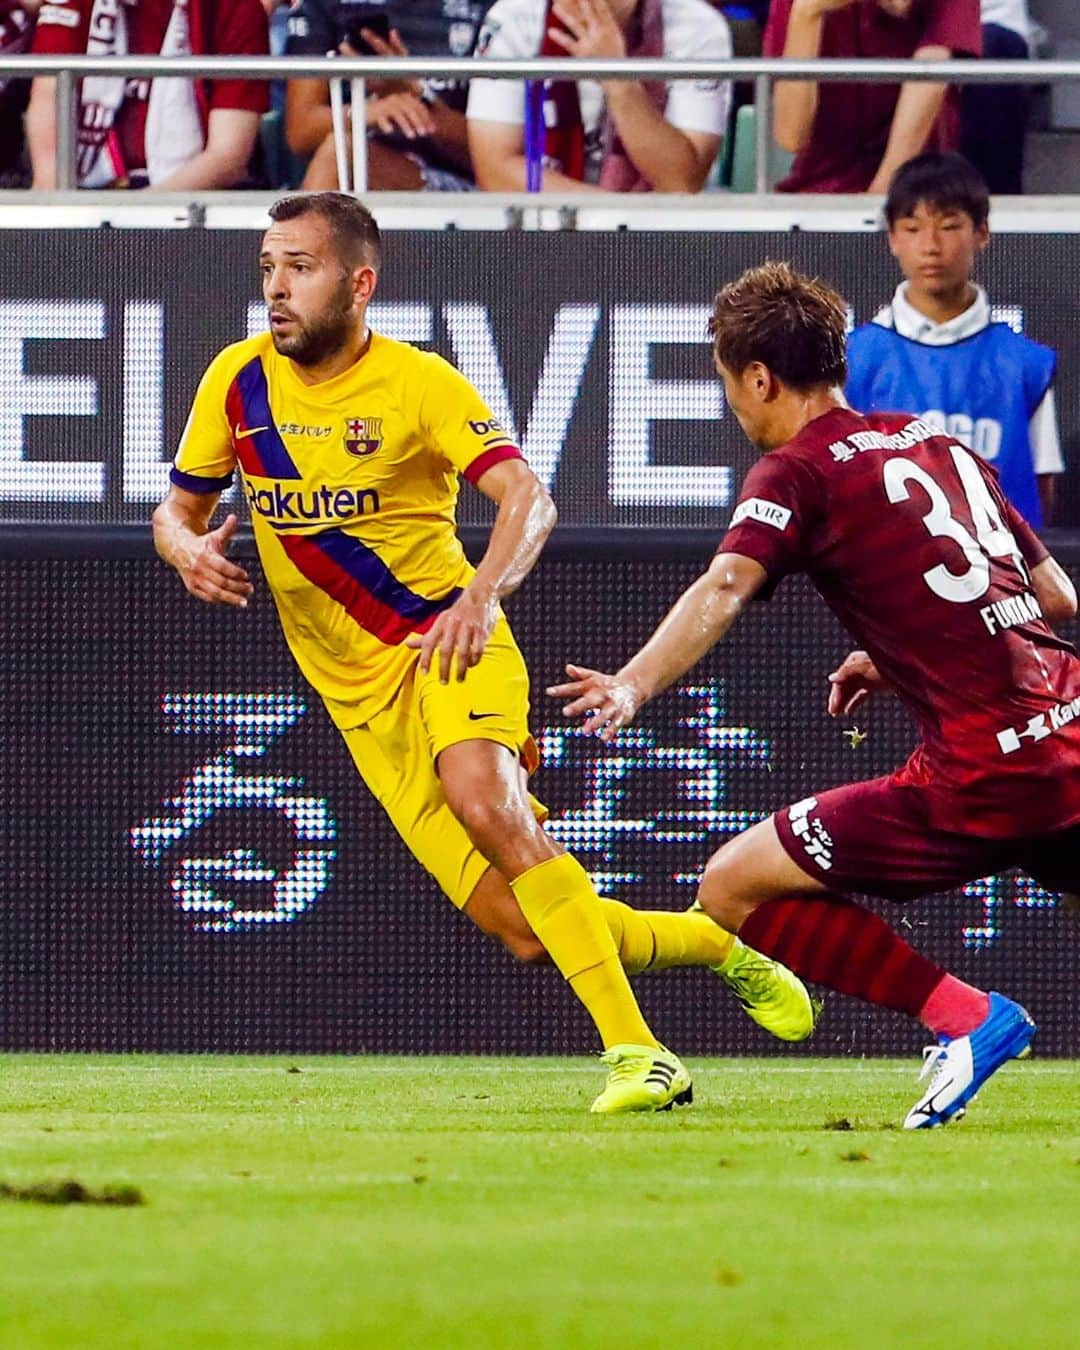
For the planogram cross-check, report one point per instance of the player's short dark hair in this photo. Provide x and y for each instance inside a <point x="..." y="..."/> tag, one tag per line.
<point x="794" y="325"/>
<point x="352" y="226"/>
<point x="941" y="183"/>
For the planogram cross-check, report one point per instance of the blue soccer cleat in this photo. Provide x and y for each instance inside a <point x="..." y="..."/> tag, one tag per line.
<point x="961" y="1066"/>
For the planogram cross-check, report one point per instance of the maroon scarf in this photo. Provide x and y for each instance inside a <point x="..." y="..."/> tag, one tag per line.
<point x="564" y="133"/>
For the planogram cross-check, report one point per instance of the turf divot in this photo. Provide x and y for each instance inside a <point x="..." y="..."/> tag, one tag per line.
<point x="72" y="1192"/>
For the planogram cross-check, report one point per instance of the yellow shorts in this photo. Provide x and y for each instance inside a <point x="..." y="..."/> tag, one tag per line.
<point x="397" y="750"/>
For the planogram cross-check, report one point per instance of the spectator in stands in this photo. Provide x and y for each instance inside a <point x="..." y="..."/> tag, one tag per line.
<point x="853" y="137"/>
<point x="171" y="134"/>
<point x="621" y="135"/>
<point x="994" y="117"/>
<point x="746" y="20"/>
<point x="277" y="16"/>
<point x="936" y="351"/>
<point x="16" y="31"/>
<point x="416" y="128"/>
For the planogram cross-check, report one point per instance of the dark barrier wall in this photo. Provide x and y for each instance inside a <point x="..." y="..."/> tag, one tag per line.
<point x="190" y="863"/>
<point x="590" y="346"/>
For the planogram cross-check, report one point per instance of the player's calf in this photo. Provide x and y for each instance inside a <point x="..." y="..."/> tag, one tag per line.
<point x="495" y="911"/>
<point x="526" y="949"/>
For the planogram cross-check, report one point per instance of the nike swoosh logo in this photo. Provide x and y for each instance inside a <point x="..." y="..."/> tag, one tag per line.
<point x="477" y="717"/>
<point x="243" y="435"/>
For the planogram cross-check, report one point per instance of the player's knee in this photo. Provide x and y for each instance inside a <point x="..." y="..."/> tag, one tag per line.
<point x="488" y="822"/>
<point x="719" y="893"/>
<point x="722" y="909"/>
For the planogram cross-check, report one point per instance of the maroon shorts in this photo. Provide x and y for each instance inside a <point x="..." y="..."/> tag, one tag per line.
<point x="881" y="838"/>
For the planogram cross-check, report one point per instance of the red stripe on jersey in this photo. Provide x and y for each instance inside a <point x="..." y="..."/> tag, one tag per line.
<point x="245" y="448"/>
<point x="373" y="616"/>
<point x="489" y="459"/>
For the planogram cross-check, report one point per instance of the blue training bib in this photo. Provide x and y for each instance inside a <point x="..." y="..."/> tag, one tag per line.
<point x="983" y="390"/>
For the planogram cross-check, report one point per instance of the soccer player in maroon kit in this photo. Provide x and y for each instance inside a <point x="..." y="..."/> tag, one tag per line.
<point x="950" y="596"/>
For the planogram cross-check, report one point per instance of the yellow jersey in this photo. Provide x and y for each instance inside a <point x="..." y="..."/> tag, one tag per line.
<point x="352" y="485"/>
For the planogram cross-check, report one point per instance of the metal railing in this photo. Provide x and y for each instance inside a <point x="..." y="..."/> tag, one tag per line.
<point x="762" y="71"/>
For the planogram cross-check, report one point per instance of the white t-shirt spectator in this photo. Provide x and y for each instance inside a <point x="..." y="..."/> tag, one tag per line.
<point x="1012" y="14"/>
<point x="515" y="29"/>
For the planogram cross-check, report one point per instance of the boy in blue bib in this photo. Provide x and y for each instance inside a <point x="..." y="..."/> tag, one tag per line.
<point x="937" y="351"/>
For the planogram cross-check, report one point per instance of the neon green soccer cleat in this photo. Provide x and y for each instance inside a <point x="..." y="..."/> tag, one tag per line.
<point x="643" y="1078"/>
<point x="771" y="995"/>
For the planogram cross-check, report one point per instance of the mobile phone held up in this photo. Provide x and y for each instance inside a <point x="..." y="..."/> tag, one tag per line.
<point x="376" y="21"/>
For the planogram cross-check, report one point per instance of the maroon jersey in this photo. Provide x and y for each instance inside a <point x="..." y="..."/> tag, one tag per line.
<point x="908" y="539"/>
<point x="16" y="30"/>
<point x="218" y="28"/>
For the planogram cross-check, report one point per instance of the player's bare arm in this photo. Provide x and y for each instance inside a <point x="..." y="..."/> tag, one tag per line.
<point x="700" y="618"/>
<point x="1054" y="590"/>
<point x="525" y="518"/>
<point x="183" y="539"/>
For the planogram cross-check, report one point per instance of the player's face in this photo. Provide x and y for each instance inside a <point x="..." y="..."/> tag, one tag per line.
<point x="936" y="250"/>
<point x="315" y="303"/>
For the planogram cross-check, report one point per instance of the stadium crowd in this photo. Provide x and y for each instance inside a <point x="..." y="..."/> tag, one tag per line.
<point x="443" y="135"/>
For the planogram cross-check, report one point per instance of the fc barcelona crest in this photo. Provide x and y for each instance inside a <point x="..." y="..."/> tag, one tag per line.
<point x="363" y="435"/>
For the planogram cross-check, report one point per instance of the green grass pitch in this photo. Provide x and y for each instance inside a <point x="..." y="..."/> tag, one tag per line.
<point x="474" y="1203"/>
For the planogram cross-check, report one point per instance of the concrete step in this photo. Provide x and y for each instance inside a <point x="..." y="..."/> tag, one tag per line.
<point x="1052" y="162"/>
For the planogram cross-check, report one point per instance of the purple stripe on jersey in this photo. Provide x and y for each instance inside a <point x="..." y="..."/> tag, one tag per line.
<point x="191" y="482"/>
<point x="259" y="446"/>
<point x="366" y="567"/>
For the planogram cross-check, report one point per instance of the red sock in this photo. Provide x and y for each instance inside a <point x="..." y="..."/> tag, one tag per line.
<point x="954" y="1008"/>
<point x="833" y="941"/>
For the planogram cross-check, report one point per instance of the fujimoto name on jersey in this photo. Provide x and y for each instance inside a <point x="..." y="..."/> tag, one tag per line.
<point x="913" y="434"/>
<point x="1010" y="612"/>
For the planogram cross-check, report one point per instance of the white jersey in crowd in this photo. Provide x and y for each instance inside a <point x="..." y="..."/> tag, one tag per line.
<point x="905" y="319"/>
<point x="692" y="28"/>
<point x="1007" y="14"/>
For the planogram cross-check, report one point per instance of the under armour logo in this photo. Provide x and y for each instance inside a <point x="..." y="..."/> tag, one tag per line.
<point x="1036" y="730"/>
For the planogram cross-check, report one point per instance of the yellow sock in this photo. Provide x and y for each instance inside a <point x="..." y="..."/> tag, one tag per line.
<point x="658" y="939"/>
<point x="563" y="910"/>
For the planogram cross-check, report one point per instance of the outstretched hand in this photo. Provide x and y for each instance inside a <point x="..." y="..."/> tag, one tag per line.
<point x="852" y="683"/>
<point x="209" y="575"/>
<point x="610" y="701"/>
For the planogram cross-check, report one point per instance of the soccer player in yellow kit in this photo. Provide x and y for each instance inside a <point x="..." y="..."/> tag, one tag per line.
<point x="350" y="447"/>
